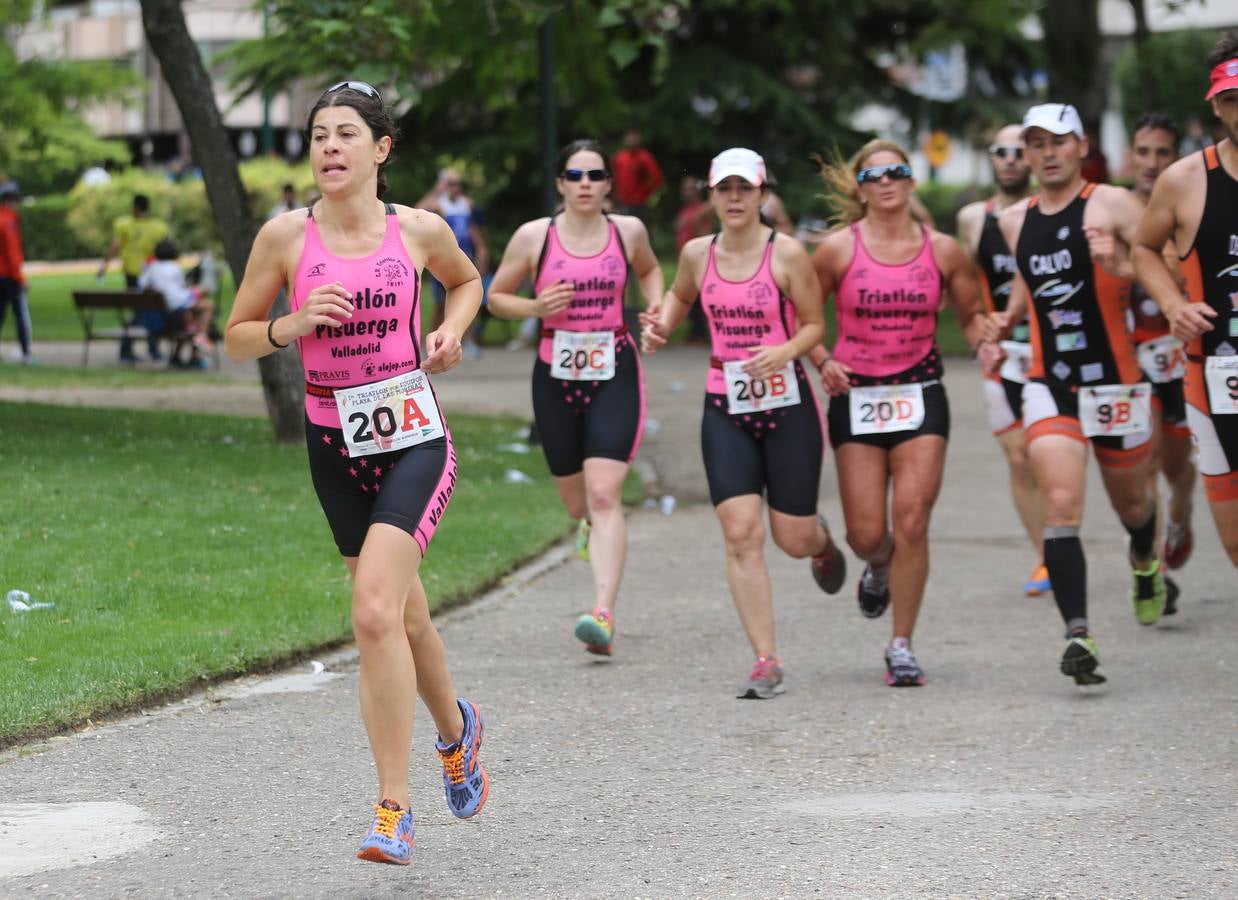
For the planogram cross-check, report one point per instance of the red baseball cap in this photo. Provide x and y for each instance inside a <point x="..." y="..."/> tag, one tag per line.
<point x="1224" y="78"/>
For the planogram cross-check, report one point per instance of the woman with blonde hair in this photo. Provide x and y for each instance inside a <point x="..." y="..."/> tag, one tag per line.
<point x="888" y="415"/>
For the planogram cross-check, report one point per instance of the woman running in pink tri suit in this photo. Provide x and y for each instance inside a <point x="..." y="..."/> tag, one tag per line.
<point x="888" y="417"/>
<point x="761" y="431"/>
<point x="380" y="454"/>
<point x="588" y="388"/>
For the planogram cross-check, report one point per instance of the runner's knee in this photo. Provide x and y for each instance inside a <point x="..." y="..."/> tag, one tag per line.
<point x="798" y="541"/>
<point x="375" y="615"/>
<point x="865" y="541"/>
<point x="744" y="538"/>
<point x="911" y="521"/>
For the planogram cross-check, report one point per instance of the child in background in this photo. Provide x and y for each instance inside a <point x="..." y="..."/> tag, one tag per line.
<point x="188" y="309"/>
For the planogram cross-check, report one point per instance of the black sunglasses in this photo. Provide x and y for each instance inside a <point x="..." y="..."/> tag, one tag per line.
<point x="359" y="86"/>
<point x="895" y="171"/>
<point x="578" y="174"/>
<point x="1006" y="151"/>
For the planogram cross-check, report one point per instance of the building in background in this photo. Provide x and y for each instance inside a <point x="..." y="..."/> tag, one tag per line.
<point x="112" y="30"/>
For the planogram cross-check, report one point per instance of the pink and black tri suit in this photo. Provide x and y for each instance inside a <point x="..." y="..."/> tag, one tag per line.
<point x="887" y="334"/>
<point x="581" y="419"/>
<point x="407" y="488"/>
<point x="776" y="452"/>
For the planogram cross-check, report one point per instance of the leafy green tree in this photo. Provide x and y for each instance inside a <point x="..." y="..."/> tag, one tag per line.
<point x="1181" y="79"/>
<point x="694" y="77"/>
<point x="44" y="143"/>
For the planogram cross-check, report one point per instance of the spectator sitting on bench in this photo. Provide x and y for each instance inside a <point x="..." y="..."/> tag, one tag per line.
<point x="188" y="309"/>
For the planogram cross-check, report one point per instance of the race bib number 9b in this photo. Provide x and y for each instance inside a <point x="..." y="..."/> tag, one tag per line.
<point x="389" y="415"/>
<point x="1112" y="410"/>
<point x="745" y="394"/>
<point x="888" y="407"/>
<point x="1221" y="374"/>
<point x="1162" y="359"/>
<point x="583" y="355"/>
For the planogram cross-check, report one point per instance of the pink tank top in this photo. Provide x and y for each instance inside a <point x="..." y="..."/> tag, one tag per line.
<point x="600" y="281"/>
<point x="743" y="314"/>
<point x="887" y="315"/>
<point x="381" y="339"/>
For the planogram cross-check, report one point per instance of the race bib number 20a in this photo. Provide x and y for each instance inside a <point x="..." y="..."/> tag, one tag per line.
<point x="389" y="415"/>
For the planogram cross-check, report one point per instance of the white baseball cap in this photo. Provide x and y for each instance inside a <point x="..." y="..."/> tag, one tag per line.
<point x="1055" y="118"/>
<point x="737" y="161"/>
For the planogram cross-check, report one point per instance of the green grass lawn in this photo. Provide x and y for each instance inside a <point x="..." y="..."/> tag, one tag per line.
<point x="116" y="378"/>
<point x="180" y="548"/>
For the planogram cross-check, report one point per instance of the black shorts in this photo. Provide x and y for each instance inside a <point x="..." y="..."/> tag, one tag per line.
<point x="581" y="419"/>
<point x="936" y="420"/>
<point x="407" y="488"/>
<point x="1171" y="402"/>
<point x="777" y="452"/>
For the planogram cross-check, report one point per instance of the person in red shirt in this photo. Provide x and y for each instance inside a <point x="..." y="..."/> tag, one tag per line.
<point x="12" y="284"/>
<point x="636" y="174"/>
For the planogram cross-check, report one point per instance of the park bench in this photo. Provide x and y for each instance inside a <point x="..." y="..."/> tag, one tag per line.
<point x="123" y="303"/>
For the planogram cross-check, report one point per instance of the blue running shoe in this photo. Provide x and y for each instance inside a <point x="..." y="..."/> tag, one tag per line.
<point x="597" y="630"/>
<point x="1038" y="582"/>
<point x="391" y="836"/>
<point x="464" y="780"/>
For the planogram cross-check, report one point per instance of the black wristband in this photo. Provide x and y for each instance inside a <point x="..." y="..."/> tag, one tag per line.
<point x="271" y="336"/>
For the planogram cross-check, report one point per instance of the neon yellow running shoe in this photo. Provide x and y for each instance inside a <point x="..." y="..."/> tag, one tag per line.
<point x="597" y="631"/>
<point x="1081" y="661"/>
<point x="1149" y="593"/>
<point x="582" y="539"/>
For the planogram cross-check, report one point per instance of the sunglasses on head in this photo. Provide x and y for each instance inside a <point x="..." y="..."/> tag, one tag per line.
<point x="359" y="86"/>
<point x="1006" y="151"/>
<point x="591" y="174"/>
<point x="895" y="172"/>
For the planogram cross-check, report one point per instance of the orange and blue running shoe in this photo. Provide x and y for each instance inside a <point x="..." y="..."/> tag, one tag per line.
<point x="597" y="630"/>
<point x="1038" y="582"/>
<point x="391" y="836"/>
<point x="465" y="781"/>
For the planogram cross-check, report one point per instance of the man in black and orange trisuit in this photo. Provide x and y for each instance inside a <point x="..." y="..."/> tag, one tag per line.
<point x="1195" y="203"/>
<point x="1003" y="391"/>
<point x="1084" y="384"/>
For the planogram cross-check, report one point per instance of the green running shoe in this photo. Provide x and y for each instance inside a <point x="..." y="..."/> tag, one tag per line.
<point x="1149" y="593"/>
<point x="1081" y="660"/>
<point x="582" y="539"/>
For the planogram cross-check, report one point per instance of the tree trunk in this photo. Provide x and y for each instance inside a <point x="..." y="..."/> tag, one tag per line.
<point x="1147" y="78"/>
<point x="183" y="70"/>
<point x="1073" y="47"/>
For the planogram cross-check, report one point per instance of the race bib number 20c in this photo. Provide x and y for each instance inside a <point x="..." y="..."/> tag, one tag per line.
<point x="583" y="355"/>
<point x="389" y="415"/>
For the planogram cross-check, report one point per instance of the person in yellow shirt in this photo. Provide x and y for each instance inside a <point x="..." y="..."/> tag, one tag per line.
<point x="133" y="239"/>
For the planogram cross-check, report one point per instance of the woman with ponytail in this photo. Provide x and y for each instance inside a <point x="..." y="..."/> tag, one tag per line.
<point x="380" y="454"/>
<point x="888" y="415"/>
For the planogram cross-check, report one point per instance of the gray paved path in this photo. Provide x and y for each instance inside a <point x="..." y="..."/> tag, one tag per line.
<point x="643" y="777"/>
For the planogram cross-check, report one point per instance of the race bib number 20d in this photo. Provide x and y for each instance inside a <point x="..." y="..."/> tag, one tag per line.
<point x="887" y="407"/>
<point x="389" y="415"/>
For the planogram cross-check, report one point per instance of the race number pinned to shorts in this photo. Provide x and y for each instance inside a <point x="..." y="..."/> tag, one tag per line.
<point x="1018" y="361"/>
<point x="583" y="355"/>
<point x="745" y="394"/>
<point x="1221" y="374"/>
<point x="886" y="407"/>
<point x="1112" y="410"/>
<point x="389" y="415"/>
<point x="1162" y="359"/>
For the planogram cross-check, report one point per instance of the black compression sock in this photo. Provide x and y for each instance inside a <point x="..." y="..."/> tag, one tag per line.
<point x="1068" y="573"/>
<point x="1143" y="538"/>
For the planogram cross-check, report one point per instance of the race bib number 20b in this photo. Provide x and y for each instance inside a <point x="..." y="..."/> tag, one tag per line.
<point x="745" y="394"/>
<point x="389" y="415"/>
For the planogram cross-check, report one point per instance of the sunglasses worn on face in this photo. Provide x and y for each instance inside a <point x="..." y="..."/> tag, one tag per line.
<point x="359" y="86"/>
<point x="1006" y="151"/>
<point x="895" y="172"/>
<point x="591" y="174"/>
